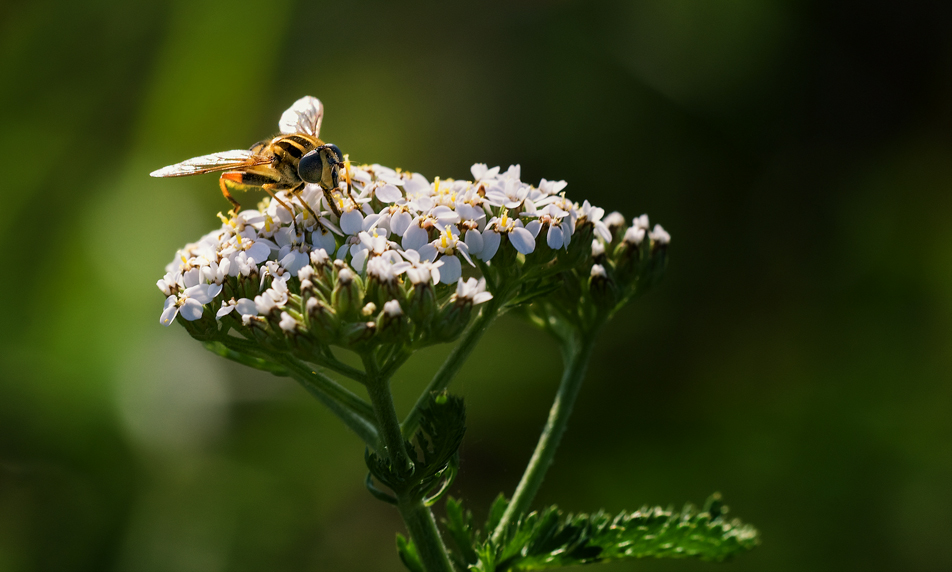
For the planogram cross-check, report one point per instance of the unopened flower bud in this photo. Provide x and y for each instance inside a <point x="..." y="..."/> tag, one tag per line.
<point x="348" y="295"/>
<point x="359" y="333"/>
<point x="615" y="222"/>
<point x="322" y="320"/>
<point x="602" y="288"/>
<point x="598" y="251"/>
<point x="392" y="324"/>
<point x="453" y="319"/>
<point x="580" y="248"/>
<point x="368" y="310"/>
<point x="659" y="237"/>
<point x="421" y="304"/>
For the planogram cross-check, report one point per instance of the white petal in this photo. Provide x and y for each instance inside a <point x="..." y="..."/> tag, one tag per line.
<point x="214" y="290"/>
<point x="451" y="270"/>
<point x="414" y="237"/>
<point x="445" y="215"/>
<point x="258" y="252"/>
<point x="534" y="227"/>
<point x="554" y="238"/>
<point x="482" y="297"/>
<point x="191" y="277"/>
<point x="169" y="311"/>
<point x="522" y="240"/>
<point x="490" y="244"/>
<point x="427" y="252"/>
<point x="474" y="240"/>
<point x="351" y="221"/>
<point x="342" y="252"/>
<point x="224" y="310"/>
<point x="400" y="222"/>
<point x="192" y="310"/>
<point x="323" y="240"/>
<point x="388" y="194"/>
<point x="358" y="260"/>
<point x="287" y="323"/>
<point x="246" y="307"/>
<point x="464" y="250"/>
<point x="294" y="261"/>
<point x="199" y="293"/>
<point x="478" y="170"/>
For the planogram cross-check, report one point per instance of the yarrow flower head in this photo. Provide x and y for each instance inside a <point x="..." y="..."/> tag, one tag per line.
<point x="387" y="247"/>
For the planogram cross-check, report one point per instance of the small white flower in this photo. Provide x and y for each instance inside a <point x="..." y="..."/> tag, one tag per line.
<point x="244" y="306"/>
<point x="473" y="290"/>
<point x="392" y="309"/>
<point x="634" y="235"/>
<point x="422" y="270"/>
<point x="598" y="271"/>
<point x="660" y="235"/>
<point x="385" y="269"/>
<point x="319" y="257"/>
<point x="287" y="323"/>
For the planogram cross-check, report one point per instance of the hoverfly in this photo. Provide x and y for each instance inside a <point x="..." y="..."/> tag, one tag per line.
<point x="285" y="163"/>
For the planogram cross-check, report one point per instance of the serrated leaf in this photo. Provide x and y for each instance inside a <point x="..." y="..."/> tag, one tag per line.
<point x="440" y="433"/>
<point x="551" y="539"/>
<point x="408" y="554"/>
<point x="459" y="523"/>
<point x="496" y="511"/>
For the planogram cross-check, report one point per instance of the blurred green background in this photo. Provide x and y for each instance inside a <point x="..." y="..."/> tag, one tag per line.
<point x="798" y="357"/>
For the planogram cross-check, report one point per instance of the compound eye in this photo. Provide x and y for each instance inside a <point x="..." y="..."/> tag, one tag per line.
<point x="311" y="167"/>
<point x="338" y="155"/>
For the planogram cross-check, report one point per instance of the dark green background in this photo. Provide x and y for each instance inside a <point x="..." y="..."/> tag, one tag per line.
<point x="798" y="357"/>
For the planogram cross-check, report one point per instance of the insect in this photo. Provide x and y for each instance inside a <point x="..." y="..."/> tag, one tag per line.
<point x="284" y="163"/>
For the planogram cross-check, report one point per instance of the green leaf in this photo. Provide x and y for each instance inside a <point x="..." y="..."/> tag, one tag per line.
<point x="442" y="426"/>
<point x="408" y="554"/>
<point x="459" y="523"/>
<point x="551" y="539"/>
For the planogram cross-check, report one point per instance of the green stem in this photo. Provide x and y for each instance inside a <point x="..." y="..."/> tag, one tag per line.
<point x="381" y="399"/>
<point x="419" y="520"/>
<point x="577" y="353"/>
<point x="455" y="360"/>
<point x="224" y="351"/>
<point x="426" y="537"/>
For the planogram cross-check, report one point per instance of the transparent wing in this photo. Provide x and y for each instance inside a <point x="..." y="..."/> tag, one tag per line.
<point x="304" y="116"/>
<point x="239" y="158"/>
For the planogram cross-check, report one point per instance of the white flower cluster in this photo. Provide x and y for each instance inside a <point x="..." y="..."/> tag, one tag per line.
<point x="377" y="239"/>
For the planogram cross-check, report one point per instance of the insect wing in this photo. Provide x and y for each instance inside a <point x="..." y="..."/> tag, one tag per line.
<point x="223" y="161"/>
<point x="304" y="116"/>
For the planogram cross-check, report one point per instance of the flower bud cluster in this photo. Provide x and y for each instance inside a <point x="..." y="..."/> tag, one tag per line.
<point x="390" y="257"/>
<point x="630" y="261"/>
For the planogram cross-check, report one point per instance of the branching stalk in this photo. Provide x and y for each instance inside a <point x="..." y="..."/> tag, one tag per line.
<point x="576" y="354"/>
<point x="419" y="520"/>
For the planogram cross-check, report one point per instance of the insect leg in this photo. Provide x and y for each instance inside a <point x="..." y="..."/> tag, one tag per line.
<point x="224" y="191"/>
<point x="268" y="189"/>
<point x="297" y="193"/>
